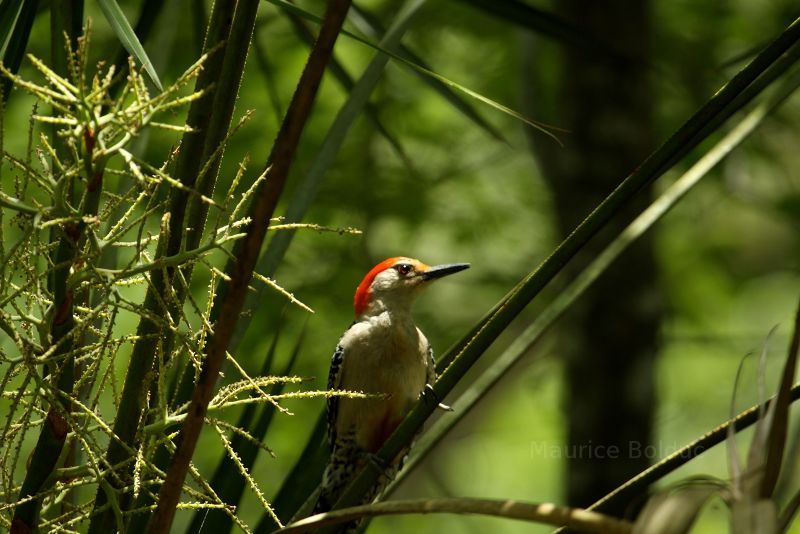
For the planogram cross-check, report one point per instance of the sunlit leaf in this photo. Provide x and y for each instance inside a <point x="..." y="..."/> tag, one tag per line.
<point x="149" y="13"/>
<point x="122" y="28"/>
<point x="544" y="128"/>
<point x="675" y="511"/>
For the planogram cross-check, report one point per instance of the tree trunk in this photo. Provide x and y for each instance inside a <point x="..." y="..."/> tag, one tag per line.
<point x="606" y="104"/>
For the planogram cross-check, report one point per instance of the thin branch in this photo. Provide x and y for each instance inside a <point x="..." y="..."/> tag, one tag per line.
<point x="545" y="513"/>
<point x="7" y="201"/>
<point x="247" y="254"/>
<point x="635" y="485"/>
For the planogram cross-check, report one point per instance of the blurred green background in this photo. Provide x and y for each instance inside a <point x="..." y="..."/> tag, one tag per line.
<point x="727" y="257"/>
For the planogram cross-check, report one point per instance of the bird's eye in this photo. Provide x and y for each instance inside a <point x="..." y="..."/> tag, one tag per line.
<point x="404" y="268"/>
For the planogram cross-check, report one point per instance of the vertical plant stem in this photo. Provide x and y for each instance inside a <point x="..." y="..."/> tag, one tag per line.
<point x="149" y="334"/>
<point x="303" y="196"/>
<point x="66" y="18"/>
<point x="62" y="334"/>
<point x="224" y="101"/>
<point x="230" y="72"/>
<point x="246" y="252"/>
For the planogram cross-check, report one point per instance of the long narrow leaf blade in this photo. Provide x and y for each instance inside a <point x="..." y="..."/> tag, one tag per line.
<point x="9" y="9"/>
<point x="306" y="191"/>
<point x="369" y="25"/>
<point x="776" y="441"/>
<point x="149" y="13"/>
<point x="546" y="129"/>
<point x="122" y="28"/>
<point x="15" y="49"/>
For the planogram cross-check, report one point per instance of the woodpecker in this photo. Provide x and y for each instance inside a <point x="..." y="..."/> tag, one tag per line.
<point x="383" y="352"/>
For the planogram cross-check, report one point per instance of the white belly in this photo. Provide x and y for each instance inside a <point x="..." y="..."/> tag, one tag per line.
<point x="380" y="357"/>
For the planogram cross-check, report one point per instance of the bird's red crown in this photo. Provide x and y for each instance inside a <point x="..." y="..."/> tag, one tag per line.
<point x="362" y="296"/>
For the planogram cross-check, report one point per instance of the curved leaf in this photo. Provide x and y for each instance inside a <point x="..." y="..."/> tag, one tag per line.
<point x="544" y="128"/>
<point x="148" y="15"/>
<point x="675" y="511"/>
<point x="369" y="25"/>
<point x="127" y="37"/>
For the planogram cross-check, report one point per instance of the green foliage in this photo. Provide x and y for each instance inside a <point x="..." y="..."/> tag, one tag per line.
<point x="122" y="226"/>
<point x="127" y="37"/>
<point x="112" y="252"/>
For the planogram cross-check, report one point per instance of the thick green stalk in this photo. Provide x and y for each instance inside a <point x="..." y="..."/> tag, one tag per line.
<point x="132" y="405"/>
<point x="226" y="86"/>
<point x="18" y="42"/>
<point x="131" y="402"/>
<point x="66" y="17"/>
<point x="65" y="20"/>
<point x="305" y="192"/>
<point x="687" y="137"/>
<point x="226" y="91"/>
<point x="246" y="253"/>
<point x="231" y="69"/>
<point x="63" y="336"/>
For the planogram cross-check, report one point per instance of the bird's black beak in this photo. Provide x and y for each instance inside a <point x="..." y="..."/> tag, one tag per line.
<point x="438" y="271"/>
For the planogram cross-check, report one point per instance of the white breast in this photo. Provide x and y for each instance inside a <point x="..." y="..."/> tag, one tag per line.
<point x="384" y="355"/>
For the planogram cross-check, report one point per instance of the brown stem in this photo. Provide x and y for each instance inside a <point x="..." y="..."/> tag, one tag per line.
<point x="247" y="253"/>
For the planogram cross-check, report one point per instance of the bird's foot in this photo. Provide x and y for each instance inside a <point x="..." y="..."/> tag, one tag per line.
<point x="377" y="462"/>
<point x="429" y="395"/>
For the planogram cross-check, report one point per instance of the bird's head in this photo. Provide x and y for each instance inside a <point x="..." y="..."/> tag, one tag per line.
<point x="395" y="282"/>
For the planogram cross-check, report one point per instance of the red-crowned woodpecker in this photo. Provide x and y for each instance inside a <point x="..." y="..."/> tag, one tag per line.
<point x="383" y="352"/>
